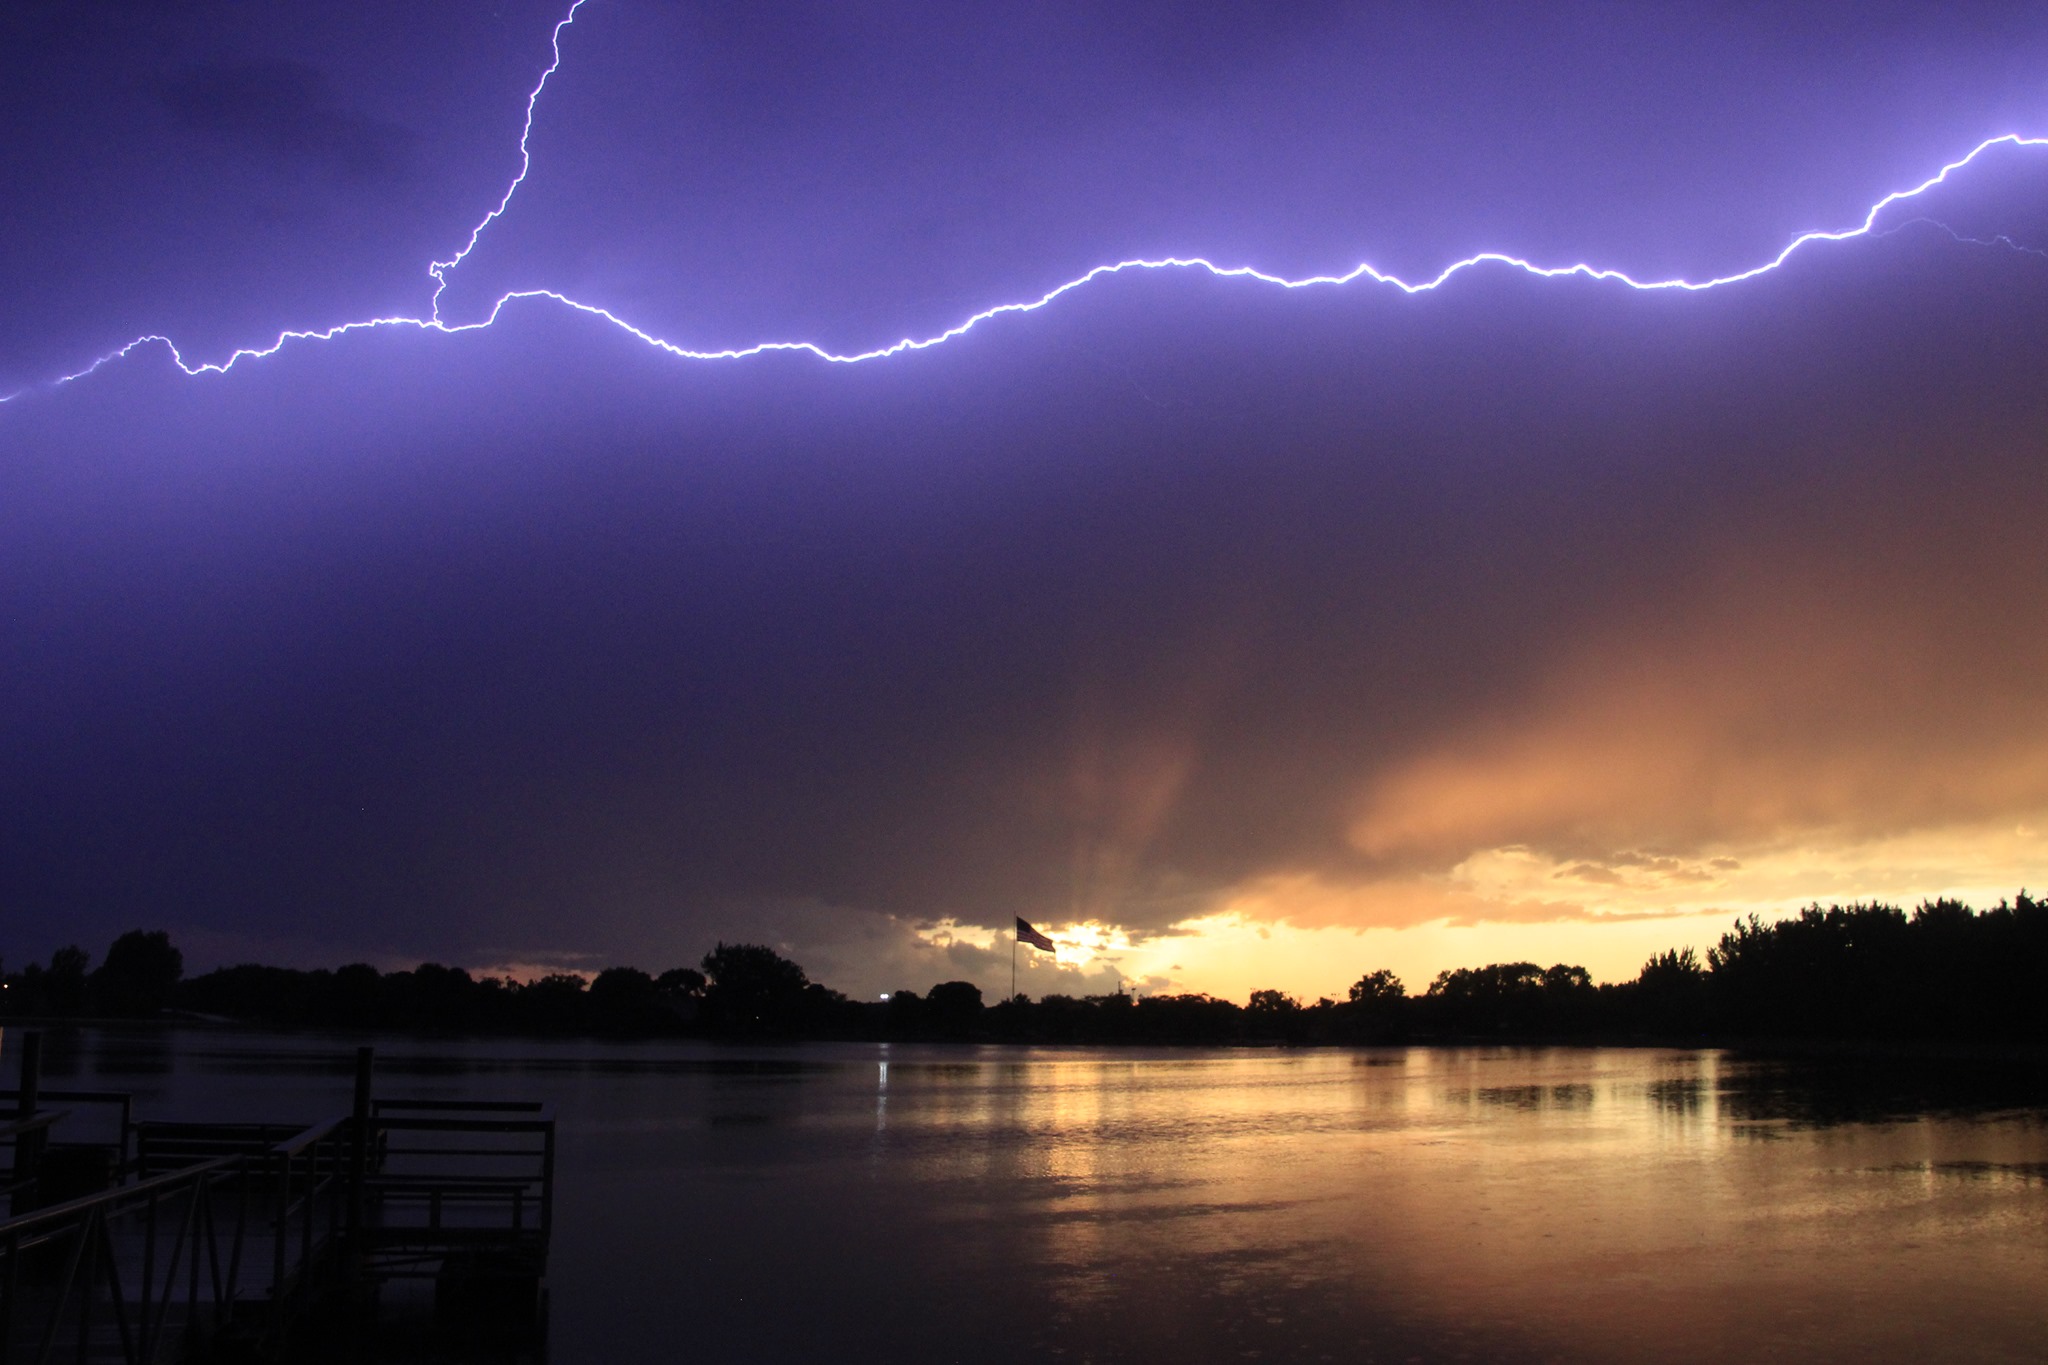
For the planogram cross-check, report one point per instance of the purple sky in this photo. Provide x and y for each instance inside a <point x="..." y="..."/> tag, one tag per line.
<point x="1547" y="613"/>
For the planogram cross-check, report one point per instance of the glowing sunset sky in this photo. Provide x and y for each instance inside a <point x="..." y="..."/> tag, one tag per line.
<point x="1239" y="636"/>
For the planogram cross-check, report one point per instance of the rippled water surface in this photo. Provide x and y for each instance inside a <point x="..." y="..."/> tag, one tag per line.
<point x="993" y="1205"/>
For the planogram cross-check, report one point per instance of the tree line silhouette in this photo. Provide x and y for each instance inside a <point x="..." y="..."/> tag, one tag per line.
<point x="1855" y="972"/>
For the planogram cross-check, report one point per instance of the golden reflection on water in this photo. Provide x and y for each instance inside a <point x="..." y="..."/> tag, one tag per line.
<point x="1001" y="1205"/>
<point x="1596" y="1203"/>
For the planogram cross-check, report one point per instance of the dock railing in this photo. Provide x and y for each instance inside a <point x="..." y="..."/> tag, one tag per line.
<point x="111" y="1113"/>
<point x="461" y="1179"/>
<point x="62" y="1269"/>
<point x="176" y="1253"/>
<point x="229" y="1231"/>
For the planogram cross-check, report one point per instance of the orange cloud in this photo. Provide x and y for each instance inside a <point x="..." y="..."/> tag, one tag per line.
<point x="1797" y="729"/>
<point x="1779" y="710"/>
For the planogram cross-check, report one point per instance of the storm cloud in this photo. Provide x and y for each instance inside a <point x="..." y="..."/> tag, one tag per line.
<point x="1519" y="603"/>
<point x="290" y="110"/>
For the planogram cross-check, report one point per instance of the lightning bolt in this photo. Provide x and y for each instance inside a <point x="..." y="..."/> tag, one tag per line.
<point x="439" y="272"/>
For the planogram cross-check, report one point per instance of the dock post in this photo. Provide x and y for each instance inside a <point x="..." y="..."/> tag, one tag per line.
<point x="359" y="1159"/>
<point x="31" y="1073"/>
<point x="28" y="1147"/>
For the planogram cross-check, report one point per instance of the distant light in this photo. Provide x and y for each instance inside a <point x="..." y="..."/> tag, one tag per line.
<point x="885" y="995"/>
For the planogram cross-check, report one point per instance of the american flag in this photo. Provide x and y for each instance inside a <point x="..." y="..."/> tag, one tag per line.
<point x="1027" y="934"/>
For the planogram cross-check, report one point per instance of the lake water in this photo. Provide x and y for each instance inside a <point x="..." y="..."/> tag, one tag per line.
<point x="919" y="1204"/>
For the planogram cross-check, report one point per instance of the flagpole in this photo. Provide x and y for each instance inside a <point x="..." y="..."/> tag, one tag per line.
<point x="1013" y="964"/>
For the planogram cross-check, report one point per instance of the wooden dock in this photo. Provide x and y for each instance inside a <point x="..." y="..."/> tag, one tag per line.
<point x="148" y="1241"/>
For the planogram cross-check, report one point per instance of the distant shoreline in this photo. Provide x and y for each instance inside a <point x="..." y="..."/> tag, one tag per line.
<point x="1945" y="981"/>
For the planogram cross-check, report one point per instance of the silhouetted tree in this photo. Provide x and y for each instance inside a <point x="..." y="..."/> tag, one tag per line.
<point x="752" y="988"/>
<point x="249" y="991"/>
<point x="1669" y="995"/>
<point x="553" y="1003"/>
<point x="903" y="1014"/>
<point x="679" y="991"/>
<point x="624" y="1000"/>
<point x="953" y="1008"/>
<point x="1190" y="1018"/>
<point x="1376" y="1010"/>
<point x="955" y="997"/>
<point x="1274" y="1015"/>
<point x="432" y="996"/>
<point x="141" y="971"/>
<point x="65" y="981"/>
<point x="1510" y="999"/>
<point x="37" y="991"/>
<point x="680" y="983"/>
<point x="1377" y="987"/>
<point x="1843" y="971"/>
<point x="355" y="992"/>
<point x="822" y="1012"/>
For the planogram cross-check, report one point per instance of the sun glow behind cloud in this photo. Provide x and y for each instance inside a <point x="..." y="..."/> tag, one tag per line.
<point x="1310" y="937"/>
<point x="1784" y="736"/>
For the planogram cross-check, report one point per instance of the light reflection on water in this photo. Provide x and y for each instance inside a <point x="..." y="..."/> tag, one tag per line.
<point x="926" y="1204"/>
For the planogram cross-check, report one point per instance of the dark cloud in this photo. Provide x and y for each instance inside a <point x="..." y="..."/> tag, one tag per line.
<point x="534" y="644"/>
<point x="291" y="111"/>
